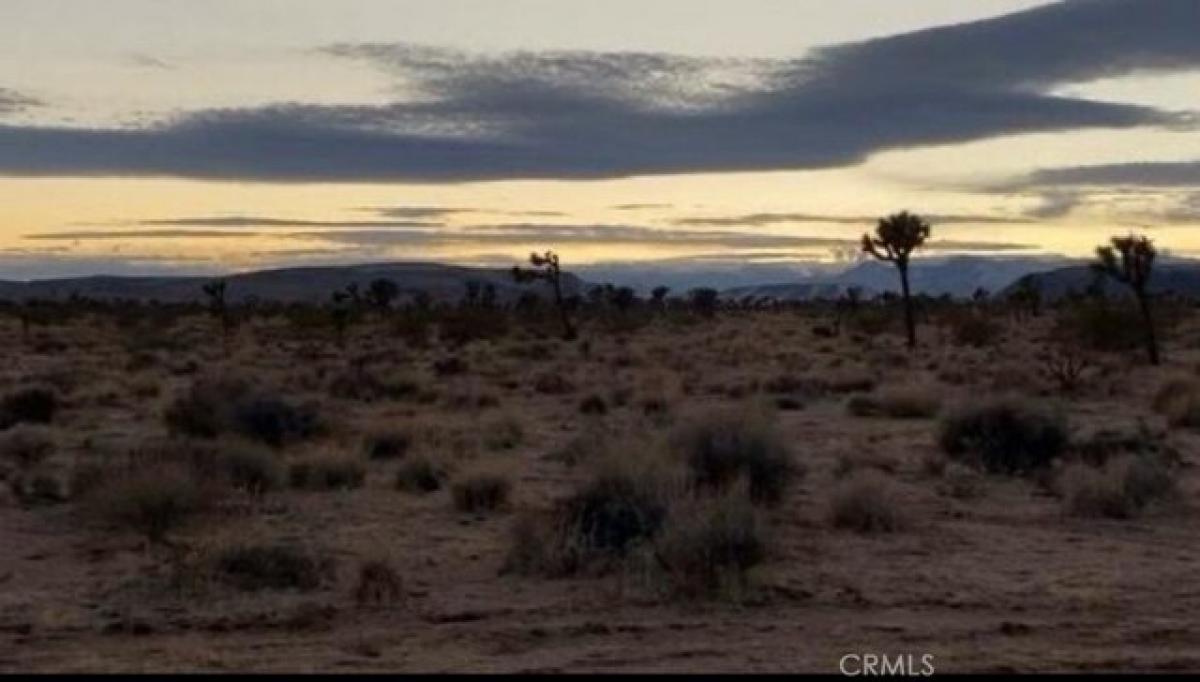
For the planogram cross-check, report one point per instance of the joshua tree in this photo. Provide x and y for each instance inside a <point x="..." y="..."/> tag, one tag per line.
<point x="896" y="237"/>
<point x="659" y="295"/>
<point x="1027" y="296"/>
<point x="380" y="294"/>
<point x="1133" y="269"/>
<point x="217" y="306"/>
<point x="704" y="300"/>
<point x="546" y="267"/>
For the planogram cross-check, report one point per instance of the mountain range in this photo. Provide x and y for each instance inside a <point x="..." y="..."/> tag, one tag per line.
<point x="958" y="276"/>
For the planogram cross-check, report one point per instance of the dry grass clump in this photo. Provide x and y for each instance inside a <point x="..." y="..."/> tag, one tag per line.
<point x="327" y="472"/>
<point x="709" y="548"/>
<point x="1179" y="401"/>
<point x="152" y="501"/>
<point x="721" y="446"/>
<point x="211" y="407"/>
<point x="897" y="402"/>
<point x="34" y="405"/>
<point x="961" y="482"/>
<point x="867" y="502"/>
<point x="253" y="469"/>
<point x="481" y="492"/>
<point x="1120" y="489"/>
<point x="387" y="445"/>
<point x="1004" y="436"/>
<point x="26" y="445"/>
<point x="502" y="432"/>
<point x="379" y="584"/>
<point x="253" y="567"/>
<point x="419" y="474"/>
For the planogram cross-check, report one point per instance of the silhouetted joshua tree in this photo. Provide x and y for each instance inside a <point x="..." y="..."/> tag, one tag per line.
<point x="380" y="294"/>
<point x="546" y="267"/>
<point x="896" y="237"/>
<point x="1136" y="264"/>
<point x="218" y="307"/>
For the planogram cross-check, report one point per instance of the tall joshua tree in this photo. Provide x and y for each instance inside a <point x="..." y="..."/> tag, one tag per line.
<point x="896" y="237"/>
<point x="546" y="267"/>
<point x="218" y="307"/>
<point x="1130" y="261"/>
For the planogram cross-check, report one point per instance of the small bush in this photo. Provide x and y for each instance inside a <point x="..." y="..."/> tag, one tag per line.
<point x="251" y="469"/>
<point x="1005" y="436"/>
<point x="481" y="492"/>
<point x="898" y="402"/>
<point x="153" y="502"/>
<point x="1119" y="490"/>
<point x="961" y="482"/>
<point x="35" y="405"/>
<point x="26" y="444"/>
<point x="1179" y="401"/>
<point x="273" y="567"/>
<point x="552" y="383"/>
<point x="710" y="549"/>
<point x="419" y="475"/>
<point x="332" y="472"/>
<point x="719" y="447"/>
<point x="593" y="404"/>
<point x="388" y="445"/>
<point x="503" y="432"/>
<point x="378" y="584"/>
<point x="211" y="407"/>
<point x="975" y="330"/>
<point x="866" y="502"/>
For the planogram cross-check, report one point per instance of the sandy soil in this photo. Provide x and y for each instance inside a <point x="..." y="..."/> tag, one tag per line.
<point x="1003" y="580"/>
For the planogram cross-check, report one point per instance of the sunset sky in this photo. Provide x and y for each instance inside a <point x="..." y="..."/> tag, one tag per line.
<point x="143" y="136"/>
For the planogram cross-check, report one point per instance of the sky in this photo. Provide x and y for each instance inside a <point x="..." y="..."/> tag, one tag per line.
<point x="152" y="136"/>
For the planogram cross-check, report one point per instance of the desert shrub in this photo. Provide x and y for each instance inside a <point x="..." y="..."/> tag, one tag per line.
<point x="252" y="567"/>
<point x="419" y="475"/>
<point x="1179" y="401"/>
<point x="35" y="405"/>
<point x="960" y="482"/>
<point x="975" y="330"/>
<point x="1100" y="325"/>
<point x="622" y="503"/>
<point x="481" y="492"/>
<point x="721" y="446"/>
<point x="897" y="402"/>
<point x="355" y="384"/>
<point x="386" y="445"/>
<point x="211" y="407"/>
<point x="329" y="472"/>
<point x="1108" y="443"/>
<point x="710" y="549"/>
<point x="449" y="366"/>
<point x="378" y="584"/>
<point x="252" y="469"/>
<point x="866" y="502"/>
<point x="593" y="404"/>
<point x="1120" y="489"/>
<point x="846" y="381"/>
<point x="26" y="444"/>
<point x="502" y="432"/>
<point x="552" y="383"/>
<point x="1005" y="436"/>
<point x="152" y="501"/>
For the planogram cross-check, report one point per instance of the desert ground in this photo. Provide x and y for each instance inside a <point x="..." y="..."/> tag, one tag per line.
<point x="755" y="490"/>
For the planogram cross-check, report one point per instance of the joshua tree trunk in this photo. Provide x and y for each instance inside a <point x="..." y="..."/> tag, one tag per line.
<point x="568" y="330"/>
<point x="1148" y="321"/>
<point x="909" y="324"/>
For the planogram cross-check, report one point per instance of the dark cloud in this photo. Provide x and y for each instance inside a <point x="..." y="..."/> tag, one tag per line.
<point x="761" y="219"/>
<point x="415" y="211"/>
<point x="1055" y="204"/>
<point x="1128" y="174"/>
<point x="13" y="101"/>
<point x="85" y="235"/>
<point x="582" y="115"/>
<point x="258" y="221"/>
<point x="640" y="207"/>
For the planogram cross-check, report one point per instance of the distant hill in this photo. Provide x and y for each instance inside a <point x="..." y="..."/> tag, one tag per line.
<point x="304" y="284"/>
<point x="958" y="276"/>
<point x="1180" y="278"/>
